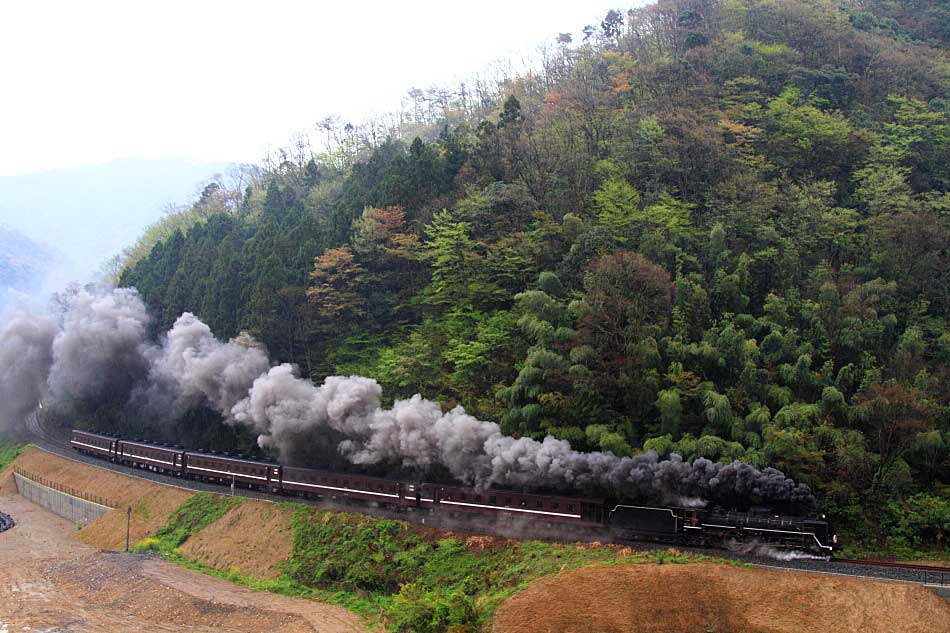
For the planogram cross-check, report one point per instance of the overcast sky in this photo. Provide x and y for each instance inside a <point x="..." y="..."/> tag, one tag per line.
<point x="87" y="82"/>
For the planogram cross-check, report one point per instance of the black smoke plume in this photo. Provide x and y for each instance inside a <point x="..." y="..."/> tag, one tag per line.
<point x="97" y="344"/>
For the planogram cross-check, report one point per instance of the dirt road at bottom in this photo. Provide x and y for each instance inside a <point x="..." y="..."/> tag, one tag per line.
<point x="51" y="582"/>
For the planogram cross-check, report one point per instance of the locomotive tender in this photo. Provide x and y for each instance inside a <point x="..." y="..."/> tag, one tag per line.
<point x="686" y="526"/>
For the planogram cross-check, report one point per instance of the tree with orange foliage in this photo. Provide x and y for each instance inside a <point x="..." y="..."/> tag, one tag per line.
<point x="334" y="286"/>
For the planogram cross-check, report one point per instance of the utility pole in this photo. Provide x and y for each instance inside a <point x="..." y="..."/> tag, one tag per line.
<point x="128" y="526"/>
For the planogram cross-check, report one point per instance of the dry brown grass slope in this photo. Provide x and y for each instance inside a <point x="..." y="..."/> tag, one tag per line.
<point x="718" y="598"/>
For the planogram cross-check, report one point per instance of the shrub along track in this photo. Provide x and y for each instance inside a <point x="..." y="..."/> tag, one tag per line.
<point x="50" y="442"/>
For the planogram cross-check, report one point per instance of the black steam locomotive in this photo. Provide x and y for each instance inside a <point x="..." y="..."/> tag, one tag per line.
<point x="714" y="527"/>
<point x="686" y="526"/>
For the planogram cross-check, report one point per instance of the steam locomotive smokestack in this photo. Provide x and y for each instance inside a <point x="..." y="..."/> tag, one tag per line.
<point x="96" y="345"/>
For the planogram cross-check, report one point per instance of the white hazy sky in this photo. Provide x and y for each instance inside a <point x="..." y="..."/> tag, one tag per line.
<point x="87" y="82"/>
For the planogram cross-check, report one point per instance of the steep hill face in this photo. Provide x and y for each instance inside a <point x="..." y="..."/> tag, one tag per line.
<point x="712" y="228"/>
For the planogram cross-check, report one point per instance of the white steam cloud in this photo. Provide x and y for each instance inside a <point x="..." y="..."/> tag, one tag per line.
<point x="96" y="345"/>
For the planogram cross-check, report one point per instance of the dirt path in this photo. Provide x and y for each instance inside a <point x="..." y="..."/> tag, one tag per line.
<point x="51" y="582"/>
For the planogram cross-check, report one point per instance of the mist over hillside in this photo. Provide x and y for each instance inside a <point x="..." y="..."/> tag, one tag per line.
<point x="26" y="267"/>
<point x="91" y="213"/>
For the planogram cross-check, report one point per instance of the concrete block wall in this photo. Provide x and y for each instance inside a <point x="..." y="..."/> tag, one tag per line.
<point x="60" y="503"/>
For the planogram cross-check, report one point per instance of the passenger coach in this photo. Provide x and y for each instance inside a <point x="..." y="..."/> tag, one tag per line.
<point x="94" y="444"/>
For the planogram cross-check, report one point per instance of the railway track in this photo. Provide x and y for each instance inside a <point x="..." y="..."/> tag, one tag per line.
<point x="930" y="574"/>
<point x="878" y="570"/>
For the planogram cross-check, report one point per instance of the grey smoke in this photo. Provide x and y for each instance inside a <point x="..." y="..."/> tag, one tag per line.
<point x="98" y="351"/>
<point x="192" y="367"/>
<point x="97" y="345"/>
<point x="26" y="355"/>
<point x="756" y="548"/>
<point x="289" y="412"/>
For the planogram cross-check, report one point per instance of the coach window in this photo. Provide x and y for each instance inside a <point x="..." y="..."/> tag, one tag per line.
<point x="507" y="501"/>
<point x="554" y="505"/>
<point x="492" y="499"/>
<point x="539" y="504"/>
<point x="570" y="507"/>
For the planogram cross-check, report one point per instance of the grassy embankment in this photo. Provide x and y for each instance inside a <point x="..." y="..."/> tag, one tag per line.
<point x="9" y="452"/>
<point x="394" y="573"/>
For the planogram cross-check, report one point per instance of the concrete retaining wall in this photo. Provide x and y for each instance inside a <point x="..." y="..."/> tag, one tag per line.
<point x="59" y="503"/>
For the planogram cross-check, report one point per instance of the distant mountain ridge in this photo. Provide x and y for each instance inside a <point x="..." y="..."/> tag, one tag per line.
<point x="91" y="213"/>
<point x="25" y="265"/>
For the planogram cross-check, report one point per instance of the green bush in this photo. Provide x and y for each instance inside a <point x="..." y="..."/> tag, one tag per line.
<point x="918" y="520"/>
<point x="420" y="610"/>
<point x="8" y="453"/>
<point x="344" y="551"/>
<point x="149" y="544"/>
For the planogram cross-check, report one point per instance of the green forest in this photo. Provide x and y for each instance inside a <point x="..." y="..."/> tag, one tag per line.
<point x="719" y="228"/>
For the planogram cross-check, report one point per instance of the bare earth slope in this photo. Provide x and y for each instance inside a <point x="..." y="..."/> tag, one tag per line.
<point x="49" y="581"/>
<point x="720" y="598"/>
<point x="254" y="538"/>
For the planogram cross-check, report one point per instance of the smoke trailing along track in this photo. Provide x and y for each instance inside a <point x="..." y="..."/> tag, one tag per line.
<point x="51" y="443"/>
<point x="95" y="349"/>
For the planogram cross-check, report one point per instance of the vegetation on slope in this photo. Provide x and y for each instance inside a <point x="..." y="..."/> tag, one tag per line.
<point x="9" y="452"/>
<point x="714" y="227"/>
<point x="408" y="578"/>
<point x="195" y="514"/>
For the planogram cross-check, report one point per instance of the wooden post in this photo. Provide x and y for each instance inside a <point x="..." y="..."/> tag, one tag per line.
<point x="128" y="526"/>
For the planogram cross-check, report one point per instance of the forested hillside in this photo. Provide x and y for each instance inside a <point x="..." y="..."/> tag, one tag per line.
<point x="713" y="227"/>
